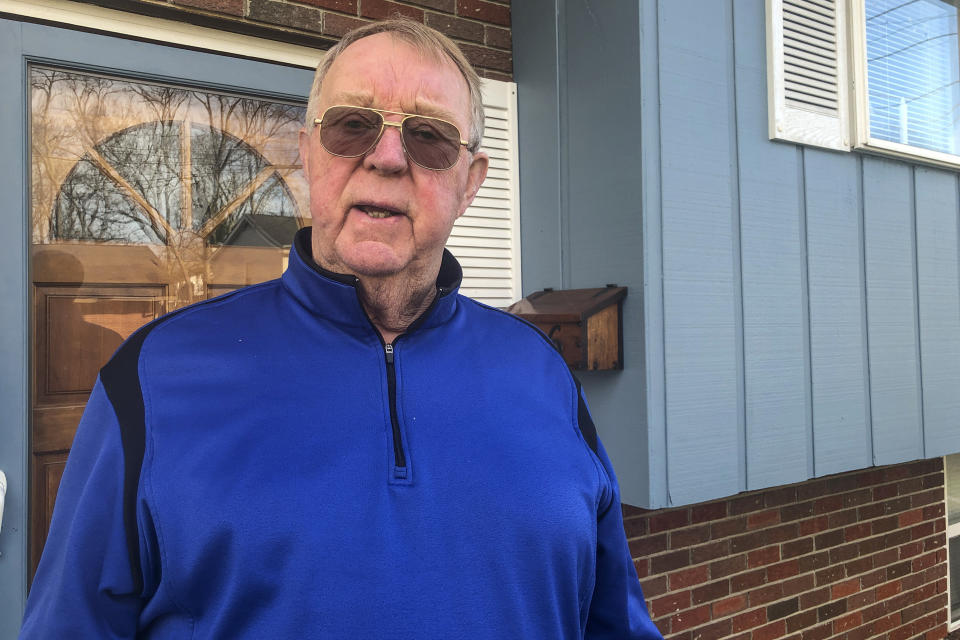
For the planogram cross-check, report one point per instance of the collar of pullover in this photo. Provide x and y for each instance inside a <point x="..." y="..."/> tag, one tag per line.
<point x="335" y="296"/>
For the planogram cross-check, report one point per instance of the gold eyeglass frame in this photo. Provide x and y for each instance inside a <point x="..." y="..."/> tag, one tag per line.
<point x="318" y="122"/>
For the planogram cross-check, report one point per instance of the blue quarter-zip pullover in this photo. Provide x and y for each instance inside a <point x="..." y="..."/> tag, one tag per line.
<point x="262" y="465"/>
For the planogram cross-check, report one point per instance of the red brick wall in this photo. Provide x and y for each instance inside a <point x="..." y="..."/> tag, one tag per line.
<point x="480" y="27"/>
<point x="853" y="556"/>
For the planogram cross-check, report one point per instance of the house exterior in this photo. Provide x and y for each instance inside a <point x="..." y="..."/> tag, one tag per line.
<point x="793" y="322"/>
<point x="775" y="181"/>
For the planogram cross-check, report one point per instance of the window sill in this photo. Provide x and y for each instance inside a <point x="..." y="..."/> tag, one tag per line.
<point x="908" y="152"/>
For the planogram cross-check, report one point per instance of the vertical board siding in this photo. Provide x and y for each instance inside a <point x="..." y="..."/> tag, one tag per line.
<point x="938" y="277"/>
<point x="891" y="311"/>
<point x="652" y="218"/>
<point x="774" y="310"/>
<point x="14" y="338"/>
<point x="601" y="59"/>
<point x="841" y="428"/>
<point x="700" y="276"/>
<point x="845" y="268"/>
<point x="800" y="309"/>
<point x="536" y="67"/>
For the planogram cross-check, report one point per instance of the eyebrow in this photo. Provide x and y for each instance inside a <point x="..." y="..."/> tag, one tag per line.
<point x="429" y="109"/>
<point x="357" y="99"/>
<point x="420" y="108"/>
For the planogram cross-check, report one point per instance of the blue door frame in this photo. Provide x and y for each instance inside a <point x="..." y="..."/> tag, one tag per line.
<point x="20" y="44"/>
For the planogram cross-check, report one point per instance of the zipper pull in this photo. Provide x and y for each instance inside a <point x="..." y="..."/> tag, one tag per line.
<point x="388" y="351"/>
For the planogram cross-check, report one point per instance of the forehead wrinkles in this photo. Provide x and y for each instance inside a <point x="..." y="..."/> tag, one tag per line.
<point x="420" y="106"/>
<point x="381" y="82"/>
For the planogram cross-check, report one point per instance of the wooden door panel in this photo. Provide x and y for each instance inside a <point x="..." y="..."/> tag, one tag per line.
<point x="54" y="427"/>
<point x="47" y="469"/>
<point x="78" y="328"/>
<point x="76" y="343"/>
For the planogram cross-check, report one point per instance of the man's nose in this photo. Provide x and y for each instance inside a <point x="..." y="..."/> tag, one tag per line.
<point x="387" y="156"/>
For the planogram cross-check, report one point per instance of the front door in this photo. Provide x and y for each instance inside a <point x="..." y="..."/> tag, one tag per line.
<point x="135" y="178"/>
<point x="145" y="196"/>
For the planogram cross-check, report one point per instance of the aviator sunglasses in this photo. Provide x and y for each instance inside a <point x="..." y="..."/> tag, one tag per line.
<point x="350" y="132"/>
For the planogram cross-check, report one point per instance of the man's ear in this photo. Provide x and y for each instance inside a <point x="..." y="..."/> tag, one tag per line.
<point x="476" y="174"/>
<point x="304" y="143"/>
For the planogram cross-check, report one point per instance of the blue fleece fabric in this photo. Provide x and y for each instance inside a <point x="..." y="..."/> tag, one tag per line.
<point x="270" y="502"/>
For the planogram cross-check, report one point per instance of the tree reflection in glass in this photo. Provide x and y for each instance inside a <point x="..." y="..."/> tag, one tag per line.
<point x="185" y="171"/>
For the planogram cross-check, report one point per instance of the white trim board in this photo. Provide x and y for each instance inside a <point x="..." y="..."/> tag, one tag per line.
<point x="161" y="30"/>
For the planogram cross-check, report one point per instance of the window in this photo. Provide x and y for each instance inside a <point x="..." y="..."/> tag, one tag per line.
<point x="877" y="75"/>
<point x="952" y="467"/>
<point x="912" y="72"/>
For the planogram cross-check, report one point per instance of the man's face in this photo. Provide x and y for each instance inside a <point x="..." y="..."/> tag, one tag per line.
<point x="351" y="197"/>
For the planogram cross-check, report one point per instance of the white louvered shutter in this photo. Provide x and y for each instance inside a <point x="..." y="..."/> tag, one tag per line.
<point x="486" y="239"/>
<point x="806" y="72"/>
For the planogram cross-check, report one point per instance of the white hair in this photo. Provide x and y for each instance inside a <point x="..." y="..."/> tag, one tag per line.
<point x="424" y="39"/>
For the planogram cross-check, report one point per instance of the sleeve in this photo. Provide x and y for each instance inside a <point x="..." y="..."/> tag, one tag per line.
<point x="85" y="586"/>
<point x="617" y="609"/>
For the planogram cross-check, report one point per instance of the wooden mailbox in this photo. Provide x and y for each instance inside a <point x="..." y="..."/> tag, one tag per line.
<point x="584" y="324"/>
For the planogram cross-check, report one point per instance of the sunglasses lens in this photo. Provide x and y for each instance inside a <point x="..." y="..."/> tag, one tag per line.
<point x="431" y="143"/>
<point x="349" y="131"/>
<point x="352" y="131"/>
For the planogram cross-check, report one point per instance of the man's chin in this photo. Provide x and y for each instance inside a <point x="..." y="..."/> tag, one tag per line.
<point x="376" y="261"/>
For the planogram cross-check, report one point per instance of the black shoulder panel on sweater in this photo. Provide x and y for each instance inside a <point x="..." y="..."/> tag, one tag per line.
<point x="120" y="378"/>
<point x="121" y="381"/>
<point x="587" y="428"/>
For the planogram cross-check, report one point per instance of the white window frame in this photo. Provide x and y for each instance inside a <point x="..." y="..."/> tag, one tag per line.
<point x="850" y="129"/>
<point x="860" y="89"/>
<point x="953" y="531"/>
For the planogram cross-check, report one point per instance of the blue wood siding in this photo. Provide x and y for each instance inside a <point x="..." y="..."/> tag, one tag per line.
<point x="938" y="277"/>
<point x="585" y="228"/>
<point x="838" y="342"/>
<point x="772" y="246"/>
<point x="701" y="265"/>
<point x="894" y="350"/>
<point x="800" y="308"/>
<point x="596" y="254"/>
<point x="536" y="58"/>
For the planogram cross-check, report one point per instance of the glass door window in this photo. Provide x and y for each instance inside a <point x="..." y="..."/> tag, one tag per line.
<point x="144" y="197"/>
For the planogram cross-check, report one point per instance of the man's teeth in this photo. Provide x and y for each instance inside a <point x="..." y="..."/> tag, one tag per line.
<point x="378" y="213"/>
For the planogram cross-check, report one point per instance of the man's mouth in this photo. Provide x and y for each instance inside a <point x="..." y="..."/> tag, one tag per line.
<point x="377" y="212"/>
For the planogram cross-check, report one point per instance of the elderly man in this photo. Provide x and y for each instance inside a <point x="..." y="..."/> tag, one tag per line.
<point x="355" y="450"/>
